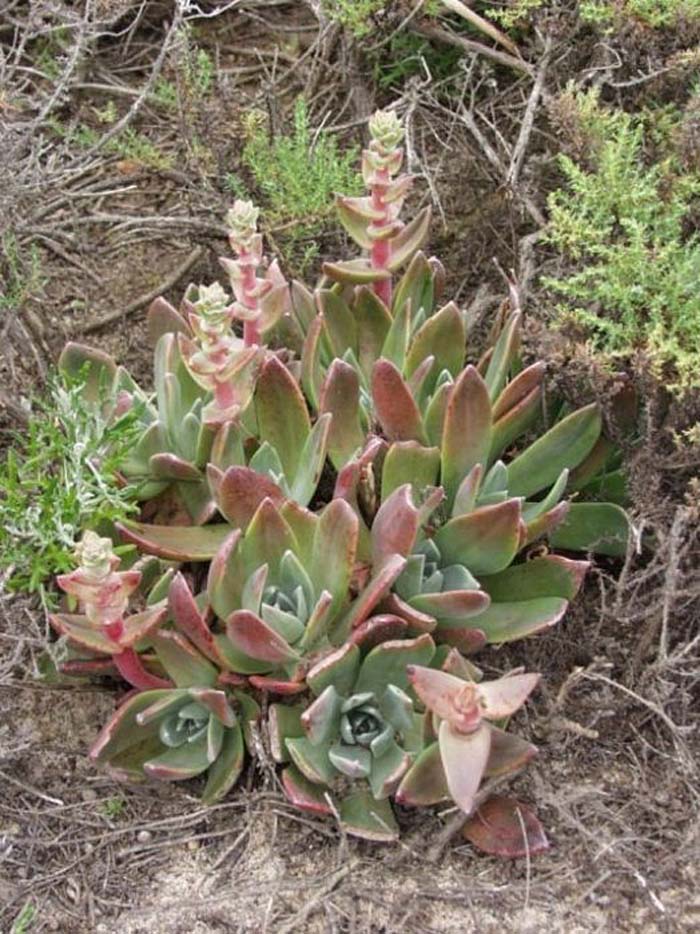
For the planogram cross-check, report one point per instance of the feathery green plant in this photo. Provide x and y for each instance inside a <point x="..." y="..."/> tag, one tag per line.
<point x="623" y="224"/>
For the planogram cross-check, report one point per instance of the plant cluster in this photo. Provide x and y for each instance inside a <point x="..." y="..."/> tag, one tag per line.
<point x="338" y="522"/>
<point x="624" y="226"/>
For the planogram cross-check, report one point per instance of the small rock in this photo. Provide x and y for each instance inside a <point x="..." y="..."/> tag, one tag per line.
<point x="144" y="836"/>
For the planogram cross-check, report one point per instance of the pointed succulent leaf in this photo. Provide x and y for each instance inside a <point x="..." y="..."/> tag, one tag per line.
<point x="424" y="784"/>
<point x="352" y="761"/>
<point x="501" y="698"/>
<point x="240" y="492"/>
<point x="361" y="815"/>
<point x="378" y="629"/>
<point x="563" y="446"/>
<point x="189" y="620"/>
<point x="312" y="761"/>
<point x="387" y="770"/>
<point x="457" y="605"/>
<point x="96" y="367"/>
<point x="598" y="527"/>
<point x="409" y="462"/>
<point x="397" y="339"/>
<point x="508" y="753"/>
<point x="504" y="827"/>
<point x="435" y="411"/>
<point x="357" y="272"/>
<point x="225" y="771"/>
<point x="283" y="419"/>
<point x="386" y="664"/>
<point x="179" y="762"/>
<point x="176" y="543"/>
<point x="464" y="759"/>
<point x="395" y="407"/>
<point x="183" y="663"/>
<point x="505" y="622"/>
<point x="340" y="668"/>
<point x="253" y="637"/>
<point x="311" y="461"/>
<point x="395" y="526"/>
<point x="166" y="466"/>
<point x="267" y="539"/>
<point x="466" y="437"/>
<point x="503" y="356"/>
<point x="397" y="707"/>
<point x="468" y="491"/>
<point x="340" y="397"/>
<point x="356" y="214"/>
<point x="311" y="366"/>
<point x="304" y="794"/>
<point x="415" y="286"/>
<point x="409" y="240"/>
<point x="226" y="578"/>
<point x="373" y="325"/>
<point x="267" y="461"/>
<point x="341" y="327"/>
<point x="546" y="576"/>
<point x="321" y="720"/>
<point x="377" y="588"/>
<point x="284" y="722"/>
<point x="443" y="336"/>
<point x="334" y="550"/>
<point x="532" y="511"/>
<point x="484" y="541"/>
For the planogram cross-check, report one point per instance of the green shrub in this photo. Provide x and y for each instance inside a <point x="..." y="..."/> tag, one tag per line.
<point x="624" y="227"/>
<point x="60" y="475"/>
<point x="296" y="176"/>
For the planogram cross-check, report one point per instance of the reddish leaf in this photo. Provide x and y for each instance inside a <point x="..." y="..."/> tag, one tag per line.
<point x="239" y="492"/>
<point x="396" y="409"/>
<point x="505" y="827"/>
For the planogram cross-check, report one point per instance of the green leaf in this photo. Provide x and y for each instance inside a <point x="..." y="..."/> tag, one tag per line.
<point x="386" y="664"/>
<point x="177" y="543"/>
<point x="387" y="770"/>
<point x="546" y="576"/>
<point x="283" y="419"/>
<point x="409" y="462"/>
<point x="373" y="324"/>
<point x="443" y="336"/>
<point x="409" y="240"/>
<point x="304" y="794"/>
<point x="484" y="541"/>
<point x="563" y="446"/>
<point x="334" y="551"/>
<point x="311" y="462"/>
<point x="424" y="784"/>
<point x="340" y="668"/>
<point x="363" y="816"/>
<point x="394" y="405"/>
<point x="183" y="663"/>
<point x="340" y="397"/>
<point x="179" y="762"/>
<point x="357" y="272"/>
<point x="312" y="761"/>
<point x="225" y="771"/>
<point x="466" y="436"/>
<point x="505" y="622"/>
<point x="416" y="287"/>
<point x="341" y="326"/>
<point x="503" y="356"/>
<point x="598" y="527"/>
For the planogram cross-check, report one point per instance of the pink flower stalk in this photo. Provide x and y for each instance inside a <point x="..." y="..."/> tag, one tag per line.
<point x="463" y="709"/>
<point x="259" y="300"/>
<point x="102" y="590"/>
<point x="216" y="358"/>
<point x="381" y="161"/>
<point x="103" y="593"/>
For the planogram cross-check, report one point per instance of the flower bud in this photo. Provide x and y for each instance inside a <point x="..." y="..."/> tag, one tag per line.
<point x="386" y="129"/>
<point x="95" y="555"/>
<point x="242" y="221"/>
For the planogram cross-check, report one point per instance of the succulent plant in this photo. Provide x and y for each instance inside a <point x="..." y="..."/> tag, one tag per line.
<point x="351" y="593"/>
<point x="105" y="628"/>
<point x="468" y="743"/>
<point x="348" y="750"/>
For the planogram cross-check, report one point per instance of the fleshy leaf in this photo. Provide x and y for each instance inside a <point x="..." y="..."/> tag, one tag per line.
<point x="425" y="783"/>
<point x="409" y="462"/>
<point x="598" y="527"/>
<point x="386" y="664"/>
<point x="253" y="637"/>
<point x="340" y="397"/>
<point x="546" y="576"/>
<point x="339" y="668"/>
<point x="505" y="622"/>
<point x="185" y="665"/>
<point x="563" y="446"/>
<point x="176" y="543"/>
<point x="363" y="816"/>
<point x="240" y="491"/>
<point x="504" y="827"/>
<point x="464" y="759"/>
<point x="334" y="551"/>
<point x="484" y="541"/>
<point x="283" y="419"/>
<point x="395" y="407"/>
<point x="304" y="794"/>
<point x="225" y="771"/>
<point x="466" y="436"/>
